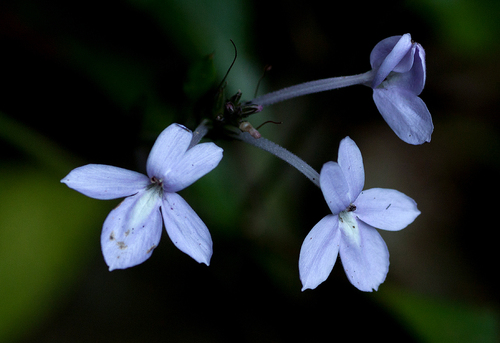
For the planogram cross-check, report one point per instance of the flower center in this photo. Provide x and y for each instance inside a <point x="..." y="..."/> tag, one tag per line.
<point x="349" y="225"/>
<point x="157" y="184"/>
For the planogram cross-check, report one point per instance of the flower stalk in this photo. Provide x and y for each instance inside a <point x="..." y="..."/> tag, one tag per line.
<point x="397" y="78"/>
<point x="200" y="132"/>
<point x="281" y="153"/>
<point x="313" y="87"/>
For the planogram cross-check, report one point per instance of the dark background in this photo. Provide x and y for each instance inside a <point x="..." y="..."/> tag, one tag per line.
<point x="95" y="82"/>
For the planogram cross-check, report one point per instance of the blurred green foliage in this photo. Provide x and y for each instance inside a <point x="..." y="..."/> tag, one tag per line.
<point x="201" y="78"/>
<point x="46" y="234"/>
<point x="467" y="27"/>
<point x="442" y="320"/>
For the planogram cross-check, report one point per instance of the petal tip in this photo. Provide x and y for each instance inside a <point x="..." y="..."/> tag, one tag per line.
<point x="305" y="287"/>
<point x="201" y="258"/>
<point x="183" y="127"/>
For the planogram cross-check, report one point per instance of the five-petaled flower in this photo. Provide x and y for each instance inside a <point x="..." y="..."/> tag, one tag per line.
<point x="398" y="65"/>
<point x="133" y="229"/>
<point x="351" y="228"/>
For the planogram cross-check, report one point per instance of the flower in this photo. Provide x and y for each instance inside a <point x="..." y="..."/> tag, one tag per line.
<point x="351" y="228"/>
<point x="399" y="67"/>
<point x="133" y="229"/>
<point x="397" y="78"/>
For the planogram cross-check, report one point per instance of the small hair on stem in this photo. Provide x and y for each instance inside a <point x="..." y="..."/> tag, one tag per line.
<point x="267" y="122"/>
<point x="266" y="69"/>
<point x="231" y="66"/>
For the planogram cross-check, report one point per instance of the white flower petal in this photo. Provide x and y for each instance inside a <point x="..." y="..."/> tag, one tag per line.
<point x="196" y="162"/>
<point x="351" y="162"/>
<point x="132" y="230"/>
<point x="319" y="252"/>
<point x="366" y="262"/>
<point x="105" y="182"/>
<point x="420" y="69"/>
<point x="168" y="150"/>
<point x="405" y="113"/>
<point x="334" y="187"/>
<point x="382" y="49"/>
<point x="186" y="230"/>
<point x="396" y="60"/>
<point x="413" y="81"/>
<point x="386" y="209"/>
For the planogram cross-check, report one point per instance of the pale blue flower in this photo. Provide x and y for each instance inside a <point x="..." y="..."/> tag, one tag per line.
<point x="397" y="78"/>
<point x="350" y="231"/>
<point x="133" y="229"/>
<point x="398" y="65"/>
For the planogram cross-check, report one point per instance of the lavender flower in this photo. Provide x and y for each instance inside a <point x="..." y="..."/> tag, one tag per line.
<point x="399" y="67"/>
<point x="397" y="78"/>
<point x="133" y="229"/>
<point x="350" y="229"/>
